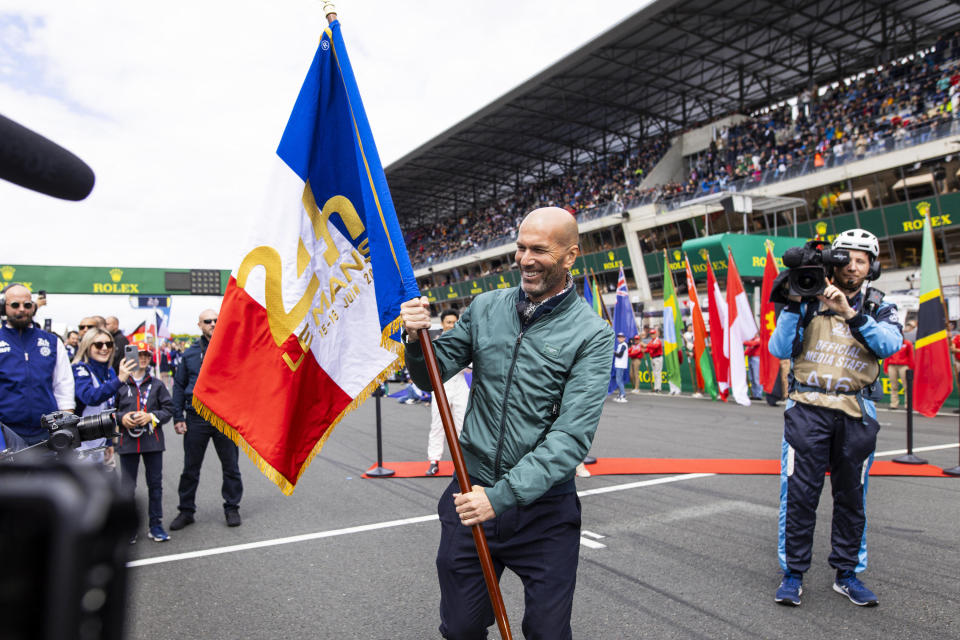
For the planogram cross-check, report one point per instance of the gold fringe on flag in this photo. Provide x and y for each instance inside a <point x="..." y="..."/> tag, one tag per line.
<point x="386" y="342"/>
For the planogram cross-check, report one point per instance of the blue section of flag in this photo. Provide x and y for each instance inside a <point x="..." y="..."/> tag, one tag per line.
<point x="587" y="292"/>
<point x="623" y="319"/>
<point x="328" y="143"/>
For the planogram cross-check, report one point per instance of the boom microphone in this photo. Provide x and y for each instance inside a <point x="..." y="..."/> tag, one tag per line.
<point x="32" y="161"/>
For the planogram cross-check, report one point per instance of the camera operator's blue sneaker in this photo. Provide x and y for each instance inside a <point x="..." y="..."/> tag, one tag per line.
<point x="849" y="585"/>
<point x="157" y="534"/>
<point x="790" y="589"/>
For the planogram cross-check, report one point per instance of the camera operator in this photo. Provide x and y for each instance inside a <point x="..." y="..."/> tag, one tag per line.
<point x="834" y="341"/>
<point x="35" y="373"/>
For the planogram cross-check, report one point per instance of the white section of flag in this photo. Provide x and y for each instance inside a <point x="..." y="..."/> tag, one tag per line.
<point x="740" y="328"/>
<point x="353" y="320"/>
<point x="163" y="322"/>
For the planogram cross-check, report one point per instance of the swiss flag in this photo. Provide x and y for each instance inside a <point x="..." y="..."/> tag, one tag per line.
<point x="718" y="327"/>
<point x="740" y="328"/>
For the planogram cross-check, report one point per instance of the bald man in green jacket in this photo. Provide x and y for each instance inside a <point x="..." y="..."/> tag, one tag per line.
<point x="541" y="365"/>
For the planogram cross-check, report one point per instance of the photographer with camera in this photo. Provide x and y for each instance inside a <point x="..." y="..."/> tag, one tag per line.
<point x="96" y="384"/>
<point x="35" y="373"/>
<point x="143" y="405"/>
<point x="834" y="331"/>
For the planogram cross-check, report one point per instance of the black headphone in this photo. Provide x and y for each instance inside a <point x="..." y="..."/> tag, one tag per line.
<point x="874" y="272"/>
<point x="3" y="297"/>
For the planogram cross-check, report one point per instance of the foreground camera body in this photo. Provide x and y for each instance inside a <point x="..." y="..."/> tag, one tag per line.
<point x="65" y="527"/>
<point x="809" y="267"/>
<point x="68" y="430"/>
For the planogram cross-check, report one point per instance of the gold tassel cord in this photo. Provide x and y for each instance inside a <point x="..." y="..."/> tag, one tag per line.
<point x="265" y="468"/>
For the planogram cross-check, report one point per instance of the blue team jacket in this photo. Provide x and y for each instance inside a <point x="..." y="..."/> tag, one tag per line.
<point x="28" y="358"/>
<point x="89" y="395"/>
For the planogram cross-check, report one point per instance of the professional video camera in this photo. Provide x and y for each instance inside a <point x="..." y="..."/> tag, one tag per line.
<point x="809" y="266"/>
<point x="67" y="431"/>
<point x="65" y="528"/>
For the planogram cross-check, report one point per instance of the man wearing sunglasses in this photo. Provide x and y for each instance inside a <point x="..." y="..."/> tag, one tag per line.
<point x="35" y="373"/>
<point x="197" y="433"/>
<point x="88" y="323"/>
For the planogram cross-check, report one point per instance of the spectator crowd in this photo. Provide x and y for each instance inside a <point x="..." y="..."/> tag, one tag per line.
<point x="892" y="105"/>
<point x="614" y="178"/>
<point x="96" y="369"/>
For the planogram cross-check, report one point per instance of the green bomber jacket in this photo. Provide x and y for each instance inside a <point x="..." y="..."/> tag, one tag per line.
<point x="536" y="396"/>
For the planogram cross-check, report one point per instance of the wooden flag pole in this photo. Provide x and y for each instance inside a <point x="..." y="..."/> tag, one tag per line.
<point x="453" y="442"/>
<point x="463" y="478"/>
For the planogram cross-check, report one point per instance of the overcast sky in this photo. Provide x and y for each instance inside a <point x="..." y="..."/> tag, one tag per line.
<point x="179" y="107"/>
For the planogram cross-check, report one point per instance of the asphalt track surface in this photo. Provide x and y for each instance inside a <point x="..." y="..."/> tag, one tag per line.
<point x="690" y="556"/>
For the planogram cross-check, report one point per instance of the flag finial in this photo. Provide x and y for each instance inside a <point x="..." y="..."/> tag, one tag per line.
<point x="329" y="10"/>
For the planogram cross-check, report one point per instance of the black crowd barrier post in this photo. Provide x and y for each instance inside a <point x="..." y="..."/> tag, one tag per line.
<point x="909" y="458"/>
<point x="379" y="471"/>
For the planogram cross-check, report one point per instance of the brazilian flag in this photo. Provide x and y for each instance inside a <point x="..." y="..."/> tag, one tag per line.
<point x="672" y="329"/>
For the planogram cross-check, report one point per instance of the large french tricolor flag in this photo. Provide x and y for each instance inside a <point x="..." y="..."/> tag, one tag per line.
<point x="309" y="321"/>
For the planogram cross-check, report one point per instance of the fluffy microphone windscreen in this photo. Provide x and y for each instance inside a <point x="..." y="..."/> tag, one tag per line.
<point x="30" y="160"/>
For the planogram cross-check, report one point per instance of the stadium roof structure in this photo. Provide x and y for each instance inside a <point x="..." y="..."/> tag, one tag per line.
<point x="673" y="65"/>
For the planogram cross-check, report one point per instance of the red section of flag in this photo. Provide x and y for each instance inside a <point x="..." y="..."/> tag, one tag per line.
<point x="132" y="337"/>
<point x="769" y="364"/>
<point x="279" y="416"/>
<point x="931" y="390"/>
<point x="721" y="365"/>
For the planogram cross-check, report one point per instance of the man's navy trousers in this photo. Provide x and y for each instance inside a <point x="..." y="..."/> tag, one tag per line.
<point x="539" y="542"/>
<point x="817" y="440"/>
<point x="199" y="433"/>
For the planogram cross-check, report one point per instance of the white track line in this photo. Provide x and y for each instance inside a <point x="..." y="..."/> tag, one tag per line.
<point x="420" y="519"/>
<point x="278" y="541"/>
<point x="378" y="525"/>
<point x="593" y="544"/>
<point x="900" y="452"/>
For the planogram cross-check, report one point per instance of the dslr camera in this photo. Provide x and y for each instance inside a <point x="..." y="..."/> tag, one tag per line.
<point x="809" y="267"/>
<point x="68" y="430"/>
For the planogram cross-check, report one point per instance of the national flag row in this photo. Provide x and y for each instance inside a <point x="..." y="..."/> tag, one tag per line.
<point x="732" y="325"/>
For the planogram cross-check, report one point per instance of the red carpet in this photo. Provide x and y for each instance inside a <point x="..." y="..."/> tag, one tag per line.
<point x="656" y="466"/>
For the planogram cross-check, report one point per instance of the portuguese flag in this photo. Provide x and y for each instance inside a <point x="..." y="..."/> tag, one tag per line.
<point x="701" y="358"/>
<point x="932" y="355"/>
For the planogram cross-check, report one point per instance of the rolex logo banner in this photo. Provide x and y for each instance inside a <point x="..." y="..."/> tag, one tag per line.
<point x="309" y="320"/>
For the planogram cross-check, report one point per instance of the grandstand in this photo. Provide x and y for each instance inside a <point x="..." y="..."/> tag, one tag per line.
<point x="844" y="110"/>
